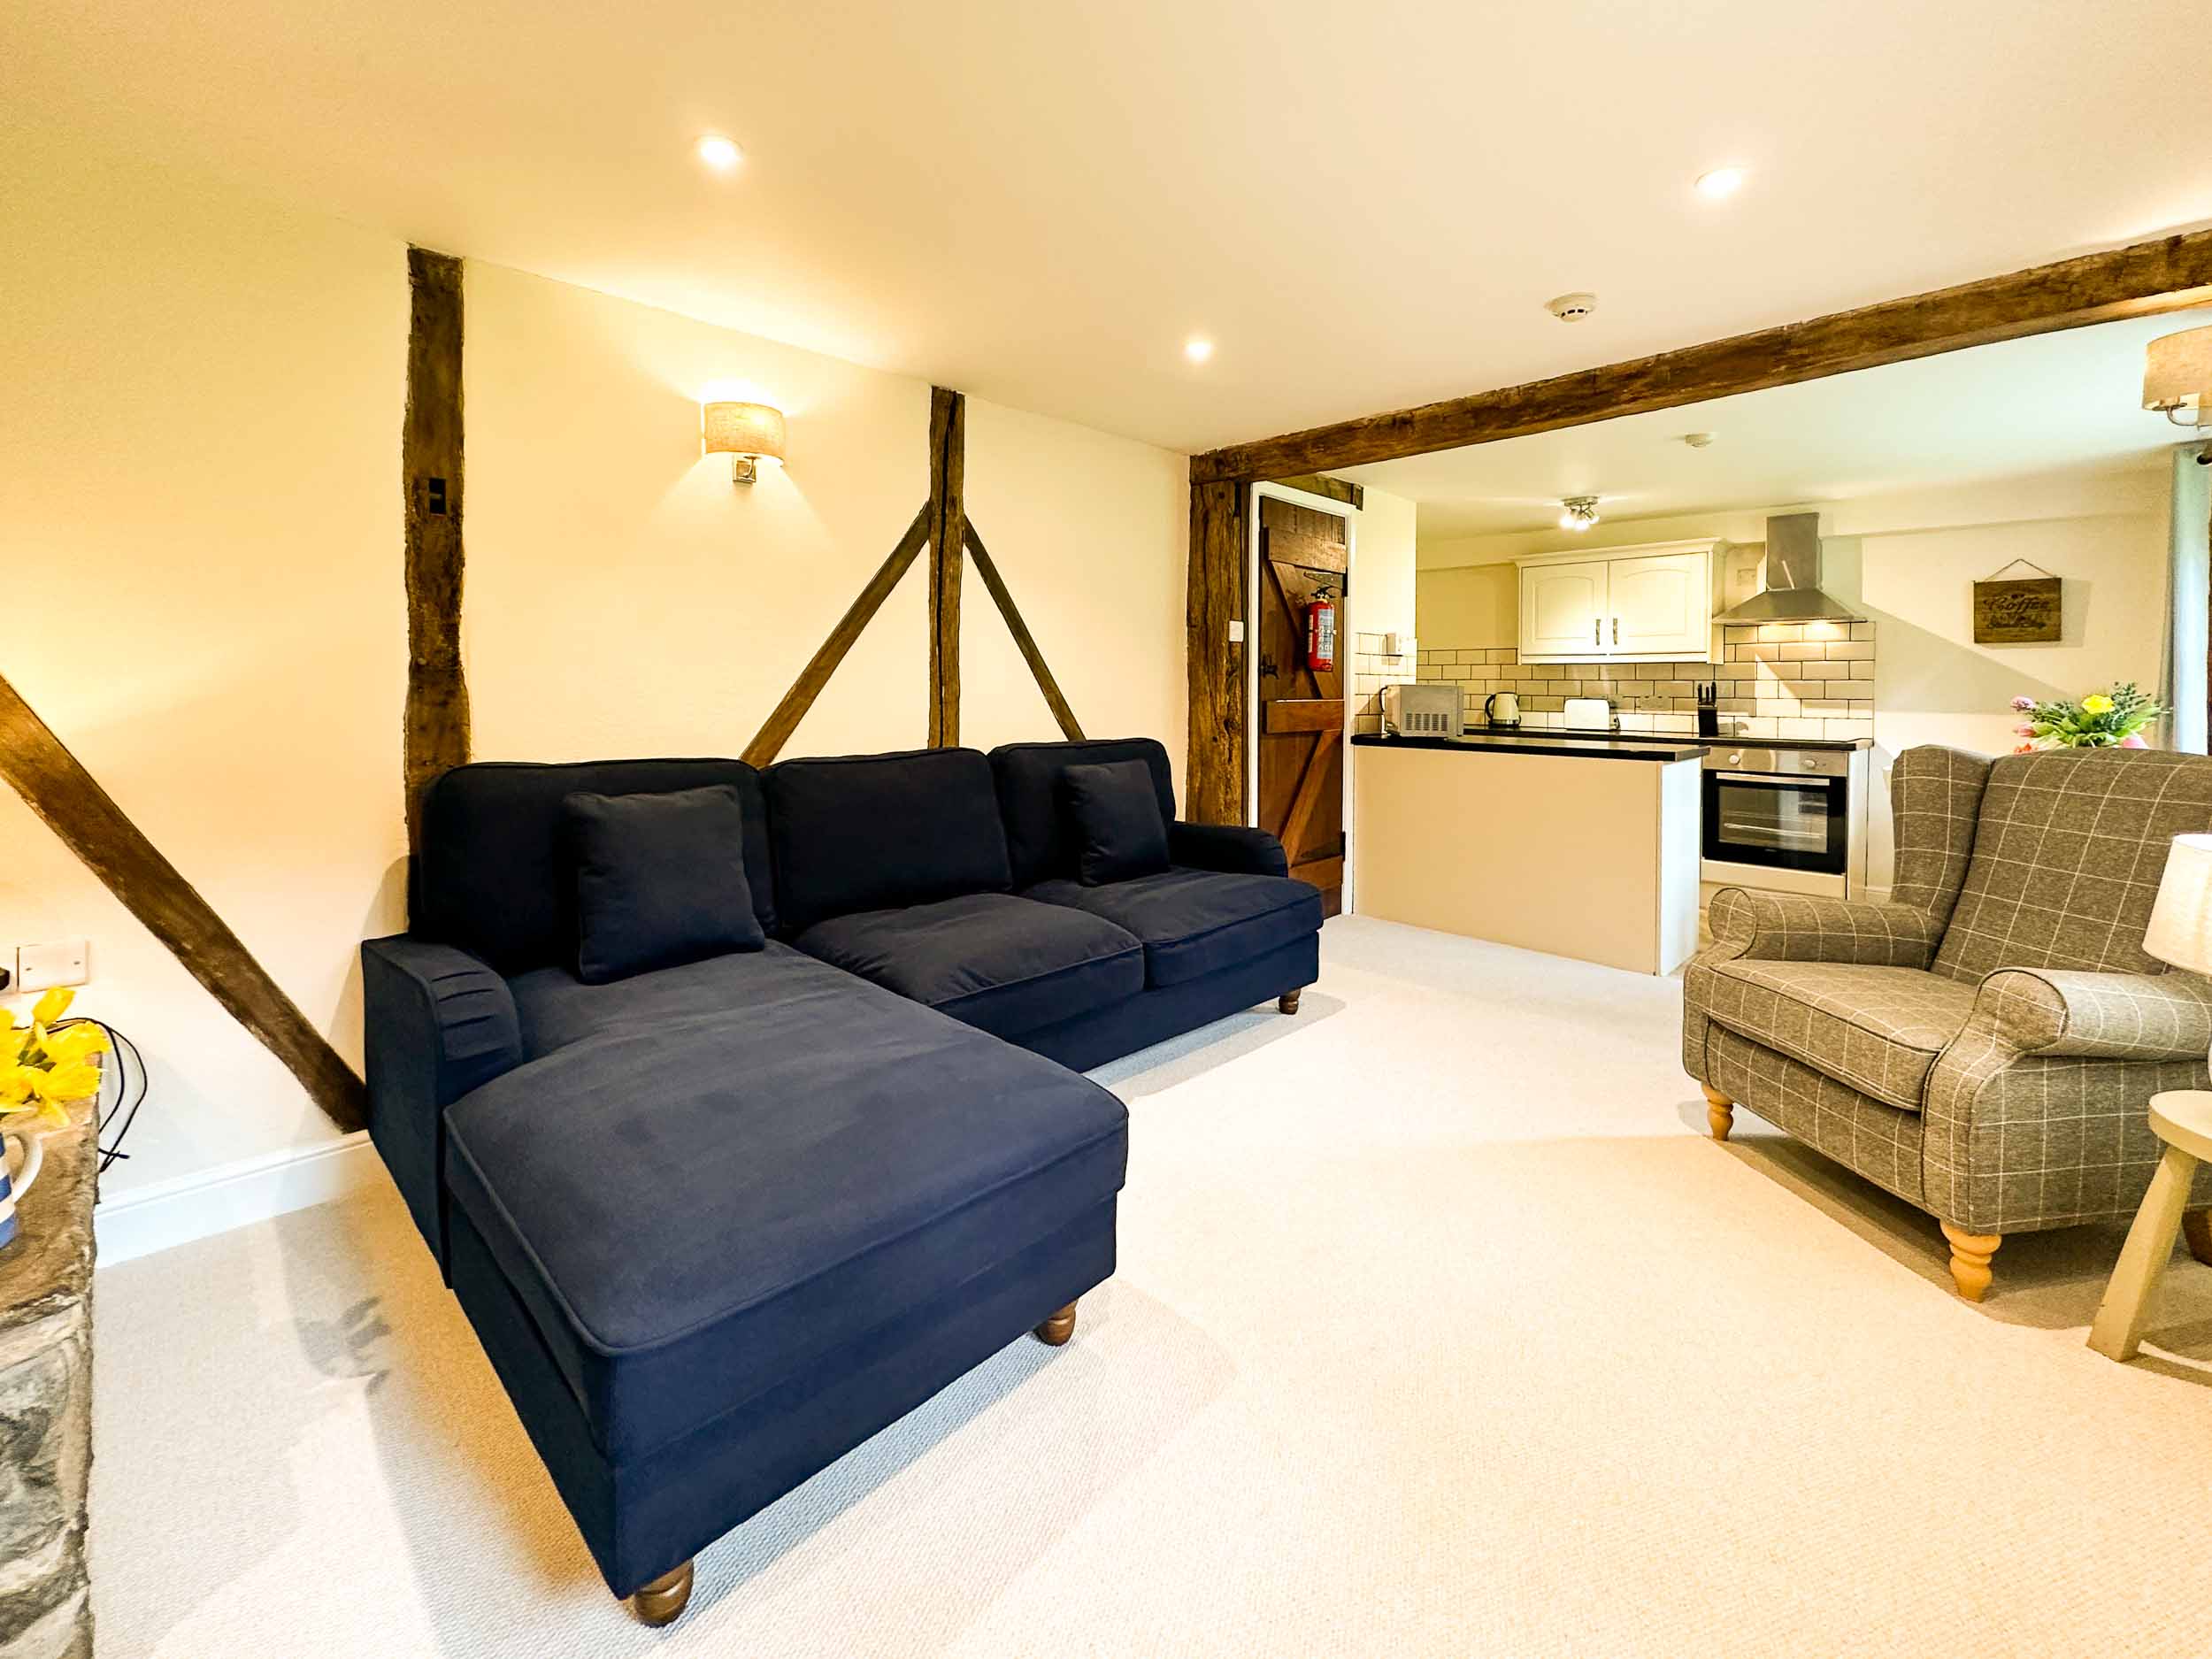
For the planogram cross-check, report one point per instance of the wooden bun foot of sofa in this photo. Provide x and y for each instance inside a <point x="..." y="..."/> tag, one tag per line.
<point x="660" y="1601"/>
<point x="2196" y="1230"/>
<point x="1059" y="1328"/>
<point x="1288" y="1001"/>
<point x="1970" y="1259"/>
<point x="1720" y="1111"/>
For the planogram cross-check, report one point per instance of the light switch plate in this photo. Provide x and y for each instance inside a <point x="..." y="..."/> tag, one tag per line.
<point x="1236" y="632"/>
<point x="41" y="967"/>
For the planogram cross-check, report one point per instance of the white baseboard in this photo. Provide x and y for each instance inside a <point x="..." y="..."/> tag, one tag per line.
<point x="143" y="1219"/>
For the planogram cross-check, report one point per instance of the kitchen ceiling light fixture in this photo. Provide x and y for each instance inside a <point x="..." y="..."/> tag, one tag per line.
<point x="748" y="433"/>
<point x="1719" y="183"/>
<point x="1198" y="348"/>
<point x="719" y="153"/>
<point x="1580" y="513"/>
<point x="2178" y="377"/>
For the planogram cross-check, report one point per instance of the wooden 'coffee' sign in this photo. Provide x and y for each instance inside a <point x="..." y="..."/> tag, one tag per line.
<point x="2021" y="611"/>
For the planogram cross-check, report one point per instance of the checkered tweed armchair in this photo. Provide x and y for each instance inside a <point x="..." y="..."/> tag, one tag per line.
<point x="1986" y="1044"/>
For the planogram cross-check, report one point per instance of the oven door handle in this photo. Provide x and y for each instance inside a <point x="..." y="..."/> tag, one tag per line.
<point x="1779" y="780"/>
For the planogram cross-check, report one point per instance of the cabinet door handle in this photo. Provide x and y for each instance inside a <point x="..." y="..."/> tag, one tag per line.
<point x="1597" y="630"/>
<point x="1616" y="630"/>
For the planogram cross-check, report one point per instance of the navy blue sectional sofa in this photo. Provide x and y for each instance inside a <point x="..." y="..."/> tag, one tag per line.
<point x="716" y="1224"/>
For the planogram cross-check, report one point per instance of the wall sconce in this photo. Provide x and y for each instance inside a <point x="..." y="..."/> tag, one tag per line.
<point x="749" y="433"/>
<point x="2178" y="377"/>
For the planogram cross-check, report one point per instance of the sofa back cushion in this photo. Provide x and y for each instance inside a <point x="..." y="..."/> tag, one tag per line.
<point x="495" y="874"/>
<point x="875" y="831"/>
<point x="1935" y="802"/>
<point x="1041" y="841"/>
<point x="2068" y="854"/>
<point x="660" y="881"/>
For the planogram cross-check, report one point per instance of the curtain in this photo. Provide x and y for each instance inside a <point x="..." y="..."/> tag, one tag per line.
<point x="2181" y="670"/>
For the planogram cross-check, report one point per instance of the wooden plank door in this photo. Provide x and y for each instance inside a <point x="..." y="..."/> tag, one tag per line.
<point x="1303" y="554"/>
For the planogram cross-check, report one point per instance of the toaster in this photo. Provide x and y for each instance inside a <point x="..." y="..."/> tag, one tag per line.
<point x="1423" y="710"/>
<point x="1589" y="714"/>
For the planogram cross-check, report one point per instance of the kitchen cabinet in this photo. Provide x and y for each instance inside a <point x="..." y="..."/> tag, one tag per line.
<point x="1652" y="603"/>
<point x="1562" y="608"/>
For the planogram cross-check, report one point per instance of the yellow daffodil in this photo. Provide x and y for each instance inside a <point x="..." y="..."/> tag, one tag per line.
<point x="79" y="1042"/>
<point x="55" y="1003"/>
<point x="72" y="1082"/>
<point x="2096" y="702"/>
<point x="18" y="1084"/>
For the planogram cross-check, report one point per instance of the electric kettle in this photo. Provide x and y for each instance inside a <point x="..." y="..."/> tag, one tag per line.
<point x="1502" y="707"/>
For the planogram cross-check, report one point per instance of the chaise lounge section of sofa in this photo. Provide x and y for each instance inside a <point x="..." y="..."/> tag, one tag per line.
<point x="718" y="1222"/>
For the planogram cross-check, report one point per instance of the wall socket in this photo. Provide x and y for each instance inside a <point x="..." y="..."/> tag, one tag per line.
<point x="41" y="967"/>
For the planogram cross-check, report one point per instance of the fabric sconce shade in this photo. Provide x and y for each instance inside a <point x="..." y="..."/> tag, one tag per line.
<point x="2177" y="376"/>
<point x="751" y="432"/>
<point x="2181" y="921"/>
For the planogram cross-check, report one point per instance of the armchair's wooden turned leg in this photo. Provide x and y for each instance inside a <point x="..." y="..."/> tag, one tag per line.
<point x="1970" y="1259"/>
<point x="1288" y="1001"/>
<point x="1059" y="1328"/>
<point x="660" y="1601"/>
<point x="2196" y="1230"/>
<point x="1720" y="1111"/>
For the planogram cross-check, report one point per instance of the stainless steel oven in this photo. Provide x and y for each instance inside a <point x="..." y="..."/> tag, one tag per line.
<point x="1778" y="809"/>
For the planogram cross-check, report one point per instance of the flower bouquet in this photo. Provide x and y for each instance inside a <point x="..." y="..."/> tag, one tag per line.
<point x="2113" y="719"/>
<point x="42" y="1071"/>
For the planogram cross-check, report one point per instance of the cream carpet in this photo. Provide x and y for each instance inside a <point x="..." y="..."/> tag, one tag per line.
<point x="1440" y="1328"/>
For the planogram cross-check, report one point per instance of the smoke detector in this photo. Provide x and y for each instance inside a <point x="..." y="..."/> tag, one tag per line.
<point x="1571" y="308"/>
<point x="1697" y="440"/>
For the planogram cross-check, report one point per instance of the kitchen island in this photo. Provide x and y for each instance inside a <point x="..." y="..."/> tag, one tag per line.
<point x="1584" y="847"/>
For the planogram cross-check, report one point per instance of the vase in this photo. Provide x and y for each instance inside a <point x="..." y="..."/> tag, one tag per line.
<point x="30" y="1153"/>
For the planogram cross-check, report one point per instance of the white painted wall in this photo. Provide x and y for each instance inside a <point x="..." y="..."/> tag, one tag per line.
<point x="201" y="517"/>
<point x="1909" y="562"/>
<point x="200" y="520"/>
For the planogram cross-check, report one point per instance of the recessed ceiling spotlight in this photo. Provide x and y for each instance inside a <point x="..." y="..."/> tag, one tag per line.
<point x="719" y="153"/>
<point x="1581" y="511"/>
<point x="1198" y="348"/>
<point x="1720" y="182"/>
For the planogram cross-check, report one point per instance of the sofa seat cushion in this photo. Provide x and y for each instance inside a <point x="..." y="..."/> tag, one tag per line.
<point x="555" y="1008"/>
<point x="1196" y="922"/>
<point x="1000" y="963"/>
<point x="1877" y="1029"/>
<point x="697" y="1211"/>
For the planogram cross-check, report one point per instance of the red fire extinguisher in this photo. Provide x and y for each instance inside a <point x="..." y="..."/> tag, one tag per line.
<point x="1321" y="634"/>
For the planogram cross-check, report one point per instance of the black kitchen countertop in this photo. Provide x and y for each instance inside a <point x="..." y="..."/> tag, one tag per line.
<point x="1566" y="745"/>
<point x="1728" y="739"/>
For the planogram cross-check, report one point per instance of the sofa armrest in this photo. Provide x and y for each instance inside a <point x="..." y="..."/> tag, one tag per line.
<point x="1795" y="927"/>
<point x="1230" y="849"/>
<point x="437" y="1022"/>
<point x="2098" y="1016"/>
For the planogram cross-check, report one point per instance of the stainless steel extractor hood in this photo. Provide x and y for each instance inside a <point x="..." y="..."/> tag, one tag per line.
<point x="1792" y="590"/>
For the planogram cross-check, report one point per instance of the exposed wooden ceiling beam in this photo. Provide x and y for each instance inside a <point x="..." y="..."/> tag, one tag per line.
<point x="2172" y="273"/>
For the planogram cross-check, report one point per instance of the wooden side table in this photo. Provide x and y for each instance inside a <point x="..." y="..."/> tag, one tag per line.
<point x="2183" y="1118"/>
<point x="46" y="1405"/>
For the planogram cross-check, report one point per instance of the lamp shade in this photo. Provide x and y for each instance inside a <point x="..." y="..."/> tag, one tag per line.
<point x="752" y="429"/>
<point x="2181" y="921"/>
<point x="2177" y="370"/>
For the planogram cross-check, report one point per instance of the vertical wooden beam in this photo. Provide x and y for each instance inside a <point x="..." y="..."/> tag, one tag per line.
<point x="1024" y="641"/>
<point x="71" y="803"/>
<point x="437" y="718"/>
<point x="776" y="731"/>
<point x="948" y="535"/>
<point x="1214" y="788"/>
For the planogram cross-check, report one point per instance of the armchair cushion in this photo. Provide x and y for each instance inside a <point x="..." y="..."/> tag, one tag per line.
<point x="2100" y="1016"/>
<point x="1877" y="1029"/>
<point x="1792" y="927"/>
<point x="2067" y="859"/>
<point x="1119" y="834"/>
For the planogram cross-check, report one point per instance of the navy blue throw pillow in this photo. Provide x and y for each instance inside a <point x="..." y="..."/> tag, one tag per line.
<point x="1115" y="809"/>
<point x="660" y="881"/>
